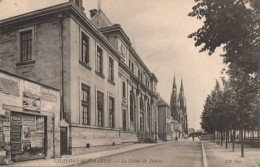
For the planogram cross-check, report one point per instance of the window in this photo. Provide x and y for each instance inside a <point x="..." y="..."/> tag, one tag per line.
<point x="85" y="49"/>
<point x="129" y="63"/>
<point x="124" y="119"/>
<point x="85" y="103"/>
<point x="139" y="75"/>
<point x="99" y="60"/>
<point x="133" y="67"/>
<point x="148" y="116"/>
<point x="131" y="108"/>
<point x="141" y="104"/>
<point x="111" y="112"/>
<point x="100" y="108"/>
<point x="26" y="45"/>
<point x="111" y="70"/>
<point x="124" y="89"/>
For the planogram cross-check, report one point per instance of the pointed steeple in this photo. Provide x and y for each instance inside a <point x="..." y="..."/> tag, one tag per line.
<point x="182" y="95"/>
<point x="182" y="89"/>
<point x="174" y="83"/>
<point x="174" y="98"/>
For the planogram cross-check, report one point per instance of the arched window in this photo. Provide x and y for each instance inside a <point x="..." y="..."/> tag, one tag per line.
<point x="131" y="107"/>
<point x="148" y="115"/>
<point x="141" y="104"/>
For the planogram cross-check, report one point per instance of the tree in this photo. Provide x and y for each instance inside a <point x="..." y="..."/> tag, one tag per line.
<point x="234" y="26"/>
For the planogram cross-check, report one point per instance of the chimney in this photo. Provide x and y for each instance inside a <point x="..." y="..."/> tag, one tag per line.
<point x="93" y="12"/>
<point x="78" y="3"/>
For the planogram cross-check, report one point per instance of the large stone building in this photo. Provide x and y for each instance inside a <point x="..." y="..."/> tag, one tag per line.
<point x="179" y="109"/>
<point x="137" y="85"/>
<point x="108" y="95"/>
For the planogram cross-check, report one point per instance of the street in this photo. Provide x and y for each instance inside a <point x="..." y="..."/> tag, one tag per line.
<point x="182" y="154"/>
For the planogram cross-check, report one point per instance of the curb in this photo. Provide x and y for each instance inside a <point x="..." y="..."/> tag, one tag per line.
<point x="204" y="157"/>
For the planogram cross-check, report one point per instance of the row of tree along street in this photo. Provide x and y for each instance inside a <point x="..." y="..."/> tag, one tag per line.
<point x="233" y="105"/>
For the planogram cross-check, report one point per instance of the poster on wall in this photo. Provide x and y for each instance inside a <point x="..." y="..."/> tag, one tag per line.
<point x="9" y="87"/>
<point x="16" y="132"/>
<point x="31" y="102"/>
<point x="26" y="145"/>
<point x="28" y="126"/>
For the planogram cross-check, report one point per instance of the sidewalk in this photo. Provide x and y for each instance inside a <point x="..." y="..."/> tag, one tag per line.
<point x="220" y="156"/>
<point x="69" y="160"/>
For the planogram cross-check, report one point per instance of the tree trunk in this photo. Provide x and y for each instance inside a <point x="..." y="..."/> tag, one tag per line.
<point x="253" y="135"/>
<point x="242" y="143"/>
<point x="217" y="137"/>
<point x="221" y="138"/>
<point x="244" y="133"/>
<point x="214" y="136"/>
<point x="233" y="140"/>
<point x="258" y="134"/>
<point x="227" y="138"/>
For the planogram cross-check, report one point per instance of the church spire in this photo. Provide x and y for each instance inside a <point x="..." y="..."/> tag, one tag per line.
<point x="174" y="83"/>
<point x="182" y="89"/>
<point x="182" y="95"/>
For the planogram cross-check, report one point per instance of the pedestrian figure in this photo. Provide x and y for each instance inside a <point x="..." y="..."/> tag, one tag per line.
<point x="193" y="137"/>
<point x="176" y="138"/>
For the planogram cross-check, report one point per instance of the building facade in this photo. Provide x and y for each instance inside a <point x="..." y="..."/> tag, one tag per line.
<point x="179" y="110"/>
<point x="104" y="101"/>
<point x="29" y="119"/>
<point x="137" y="85"/>
<point x="166" y="129"/>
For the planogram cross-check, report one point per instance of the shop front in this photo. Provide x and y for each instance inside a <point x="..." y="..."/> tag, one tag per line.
<point x="27" y="136"/>
<point x="29" y="120"/>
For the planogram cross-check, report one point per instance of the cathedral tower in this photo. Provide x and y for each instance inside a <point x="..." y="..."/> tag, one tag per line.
<point x="174" y="100"/>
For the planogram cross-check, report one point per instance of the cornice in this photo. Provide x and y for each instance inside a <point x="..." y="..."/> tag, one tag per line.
<point x="125" y="68"/>
<point x="68" y="6"/>
<point x="118" y="29"/>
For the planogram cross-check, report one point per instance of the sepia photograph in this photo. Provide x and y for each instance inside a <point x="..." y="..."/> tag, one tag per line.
<point x="130" y="83"/>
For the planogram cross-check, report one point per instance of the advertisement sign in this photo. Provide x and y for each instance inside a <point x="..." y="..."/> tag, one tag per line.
<point x="32" y="89"/>
<point x="31" y="102"/>
<point x="48" y="95"/>
<point x="9" y="87"/>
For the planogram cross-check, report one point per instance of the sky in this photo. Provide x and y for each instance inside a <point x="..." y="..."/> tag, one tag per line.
<point x="158" y="30"/>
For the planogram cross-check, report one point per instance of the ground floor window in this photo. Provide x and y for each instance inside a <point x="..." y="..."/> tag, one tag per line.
<point x="100" y="108"/>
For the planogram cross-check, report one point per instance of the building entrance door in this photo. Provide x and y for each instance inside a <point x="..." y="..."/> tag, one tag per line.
<point x="63" y="142"/>
<point x="142" y="122"/>
<point x="124" y="120"/>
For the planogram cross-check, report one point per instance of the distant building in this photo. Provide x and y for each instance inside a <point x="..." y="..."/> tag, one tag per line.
<point x="165" y="120"/>
<point x="191" y="130"/>
<point x="179" y="109"/>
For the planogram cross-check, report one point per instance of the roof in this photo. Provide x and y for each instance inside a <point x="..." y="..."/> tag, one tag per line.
<point x="162" y="102"/>
<point x="60" y="8"/>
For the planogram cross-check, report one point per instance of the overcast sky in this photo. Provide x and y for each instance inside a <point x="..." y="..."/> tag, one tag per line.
<point x="159" y="30"/>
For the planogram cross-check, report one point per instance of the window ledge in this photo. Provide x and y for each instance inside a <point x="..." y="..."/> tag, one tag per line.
<point x="101" y="75"/>
<point x="111" y="82"/>
<point x="85" y="65"/>
<point x="26" y="63"/>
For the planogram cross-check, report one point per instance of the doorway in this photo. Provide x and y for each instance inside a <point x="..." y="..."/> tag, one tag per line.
<point x="63" y="142"/>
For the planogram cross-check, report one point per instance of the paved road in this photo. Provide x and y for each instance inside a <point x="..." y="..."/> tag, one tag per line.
<point x="181" y="154"/>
